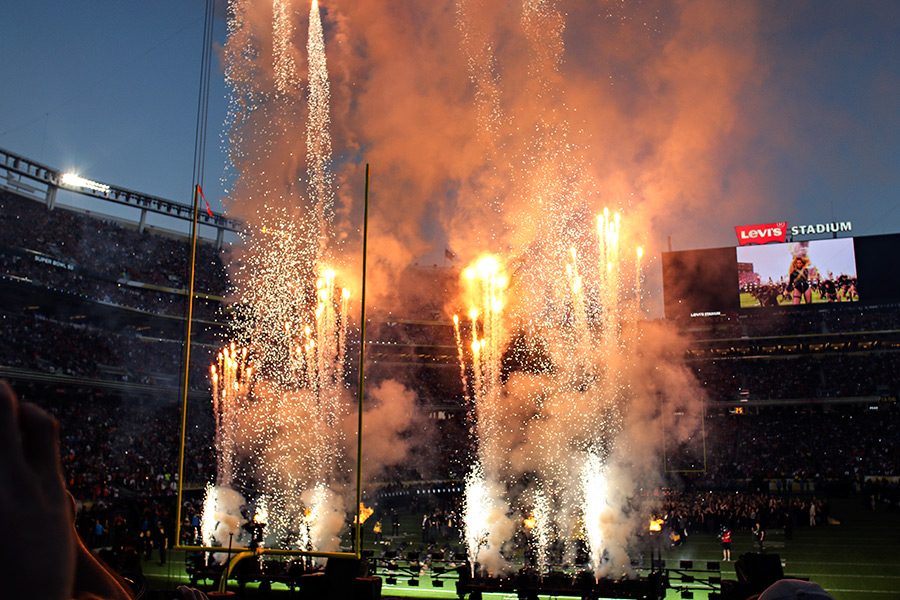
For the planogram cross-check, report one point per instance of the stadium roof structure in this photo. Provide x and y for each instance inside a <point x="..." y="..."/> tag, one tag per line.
<point x="29" y="178"/>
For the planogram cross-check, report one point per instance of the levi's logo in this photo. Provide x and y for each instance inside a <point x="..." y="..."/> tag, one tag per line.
<point x="761" y="234"/>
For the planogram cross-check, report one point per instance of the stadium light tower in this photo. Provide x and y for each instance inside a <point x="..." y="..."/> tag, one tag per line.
<point x="73" y="180"/>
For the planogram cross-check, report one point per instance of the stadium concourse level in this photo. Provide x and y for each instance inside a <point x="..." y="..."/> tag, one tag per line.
<point x="840" y="352"/>
<point x="40" y="344"/>
<point x="79" y="284"/>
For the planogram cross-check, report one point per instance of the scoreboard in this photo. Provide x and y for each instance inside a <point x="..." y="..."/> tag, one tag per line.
<point x="864" y="270"/>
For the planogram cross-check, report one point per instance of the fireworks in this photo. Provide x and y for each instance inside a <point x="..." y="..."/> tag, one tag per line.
<point x="280" y="424"/>
<point x="543" y="527"/>
<point x="318" y="138"/>
<point x="593" y="479"/>
<point x="279" y="394"/>
<point x="549" y="358"/>
<point x="486" y="522"/>
<point x="282" y="31"/>
<point x="556" y="419"/>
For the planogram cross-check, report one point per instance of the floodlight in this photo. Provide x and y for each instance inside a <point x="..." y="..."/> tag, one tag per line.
<point x="76" y="181"/>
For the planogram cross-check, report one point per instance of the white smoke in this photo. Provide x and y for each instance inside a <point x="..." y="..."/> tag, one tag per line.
<point x="222" y="520"/>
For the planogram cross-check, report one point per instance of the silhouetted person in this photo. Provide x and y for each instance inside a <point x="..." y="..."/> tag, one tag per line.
<point x="759" y="534"/>
<point x="162" y="543"/>
<point x="395" y="524"/>
<point x="36" y="511"/>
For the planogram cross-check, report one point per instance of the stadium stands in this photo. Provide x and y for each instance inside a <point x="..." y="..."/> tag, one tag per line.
<point x="101" y="260"/>
<point x="93" y="316"/>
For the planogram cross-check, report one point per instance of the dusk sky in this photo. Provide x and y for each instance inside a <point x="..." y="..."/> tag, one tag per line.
<point x="690" y="116"/>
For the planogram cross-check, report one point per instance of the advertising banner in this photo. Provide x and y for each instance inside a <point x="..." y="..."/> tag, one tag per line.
<point x="761" y="234"/>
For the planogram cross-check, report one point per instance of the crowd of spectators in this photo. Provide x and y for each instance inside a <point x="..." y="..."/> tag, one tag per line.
<point x="800" y="376"/>
<point x="804" y="449"/>
<point x="122" y="252"/>
<point x="114" y="447"/>
<point x="36" y="343"/>
<point x="721" y="379"/>
<point x="102" y="260"/>
<point x="36" y="277"/>
<point x="120" y="463"/>
<point x="790" y="321"/>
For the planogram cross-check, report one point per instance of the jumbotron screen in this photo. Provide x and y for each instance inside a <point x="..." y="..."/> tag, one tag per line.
<point x="806" y="273"/>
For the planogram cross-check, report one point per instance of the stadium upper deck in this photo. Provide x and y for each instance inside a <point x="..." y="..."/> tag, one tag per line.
<point x="91" y="296"/>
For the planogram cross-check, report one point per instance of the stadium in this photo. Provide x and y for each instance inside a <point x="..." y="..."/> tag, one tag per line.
<point x="799" y="428"/>
<point x="424" y="339"/>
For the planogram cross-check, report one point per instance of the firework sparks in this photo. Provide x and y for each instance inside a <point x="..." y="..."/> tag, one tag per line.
<point x="545" y="338"/>
<point x="282" y="31"/>
<point x="543" y="529"/>
<point x="573" y="413"/>
<point x="318" y="138"/>
<point x="594" y="481"/>
<point x="279" y="393"/>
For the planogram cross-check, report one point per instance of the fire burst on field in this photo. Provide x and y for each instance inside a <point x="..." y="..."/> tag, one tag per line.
<point x="566" y="385"/>
<point x="279" y="393"/>
<point x="549" y="405"/>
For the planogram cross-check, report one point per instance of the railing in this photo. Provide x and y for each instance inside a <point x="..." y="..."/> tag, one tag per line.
<point x="40" y="182"/>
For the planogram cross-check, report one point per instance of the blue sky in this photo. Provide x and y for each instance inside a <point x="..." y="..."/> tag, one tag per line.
<point x="109" y="89"/>
<point x="836" y="68"/>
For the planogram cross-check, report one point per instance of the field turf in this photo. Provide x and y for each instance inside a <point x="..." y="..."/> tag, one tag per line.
<point x="857" y="557"/>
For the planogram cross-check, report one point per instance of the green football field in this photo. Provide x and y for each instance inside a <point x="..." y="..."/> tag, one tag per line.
<point x="857" y="558"/>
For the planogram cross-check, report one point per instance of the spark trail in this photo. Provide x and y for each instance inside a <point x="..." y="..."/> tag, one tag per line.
<point x="550" y="353"/>
<point x="279" y="393"/>
<point x="318" y="138"/>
